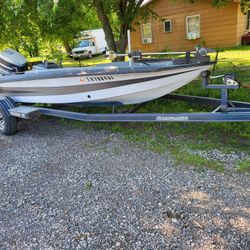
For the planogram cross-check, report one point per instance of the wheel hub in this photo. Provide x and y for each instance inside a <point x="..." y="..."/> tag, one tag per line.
<point x="2" y="122"/>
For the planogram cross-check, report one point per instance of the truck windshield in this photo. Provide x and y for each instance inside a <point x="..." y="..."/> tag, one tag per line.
<point x="84" y="43"/>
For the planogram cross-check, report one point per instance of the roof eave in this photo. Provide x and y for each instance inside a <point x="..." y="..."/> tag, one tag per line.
<point x="146" y="2"/>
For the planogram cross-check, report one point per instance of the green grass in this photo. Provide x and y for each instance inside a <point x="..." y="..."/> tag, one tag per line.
<point x="88" y="186"/>
<point x="179" y="139"/>
<point x="200" y="163"/>
<point x="71" y="62"/>
<point x="243" y="167"/>
<point x="179" y="151"/>
<point x="232" y="61"/>
<point x="99" y="59"/>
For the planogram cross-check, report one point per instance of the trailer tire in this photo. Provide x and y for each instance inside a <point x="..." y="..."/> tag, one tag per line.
<point x="90" y="55"/>
<point x="8" y="123"/>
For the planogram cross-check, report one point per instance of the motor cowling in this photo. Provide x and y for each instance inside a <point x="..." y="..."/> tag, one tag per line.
<point x="12" y="61"/>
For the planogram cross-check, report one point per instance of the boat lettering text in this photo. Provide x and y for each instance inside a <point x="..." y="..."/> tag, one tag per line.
<point x="171" y="118"/>
<point x="100" y="78"/>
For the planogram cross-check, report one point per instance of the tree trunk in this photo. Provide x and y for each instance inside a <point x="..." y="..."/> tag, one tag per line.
<point x="35" y="49"/>
<point x="123" y="41"/>
<point x="67" y="46"/>
<point x="109" y="36"/>
<point x="126" y="10"/>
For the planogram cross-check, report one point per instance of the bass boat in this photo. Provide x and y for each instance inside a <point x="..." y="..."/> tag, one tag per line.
<point x="118" y="83"/>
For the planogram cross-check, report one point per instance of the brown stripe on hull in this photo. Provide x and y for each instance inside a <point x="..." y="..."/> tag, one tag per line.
<point x="66" y="90"/>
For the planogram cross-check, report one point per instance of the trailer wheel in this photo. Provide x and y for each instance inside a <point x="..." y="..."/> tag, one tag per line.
<point x="8" y="123"/>
<point x="90" y="55"/>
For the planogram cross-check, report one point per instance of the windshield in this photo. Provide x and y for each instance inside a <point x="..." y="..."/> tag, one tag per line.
<point x="84" y="43"/>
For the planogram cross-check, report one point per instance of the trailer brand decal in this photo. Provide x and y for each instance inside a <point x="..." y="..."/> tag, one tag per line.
<point x="171" y="118"/>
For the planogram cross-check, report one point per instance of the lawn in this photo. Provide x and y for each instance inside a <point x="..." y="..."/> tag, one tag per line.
<point x="183" y="139"/>
<point x="100" y="59"/>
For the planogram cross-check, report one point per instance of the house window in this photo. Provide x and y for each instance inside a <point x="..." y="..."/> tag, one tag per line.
<point x="146" y="33"/>
<point x="193" y="27"/>
<point x="167" y="26"/>
<point x="248" y="19"/>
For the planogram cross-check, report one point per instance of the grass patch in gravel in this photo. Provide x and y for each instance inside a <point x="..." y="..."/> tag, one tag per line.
<point x="159" y="139"/>
<point x="160" y="144"/>
<point x="200" y="163"/>
<point x="88" y="186"/>
<point x="243" y="167"/>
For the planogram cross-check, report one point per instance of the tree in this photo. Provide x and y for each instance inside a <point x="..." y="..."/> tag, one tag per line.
<point x="116" y="17"/>
<point x="19" y="29"/>
<point x="245" y="4"/>
<point x="29" y="24"/>
<point x="65" y="20"/>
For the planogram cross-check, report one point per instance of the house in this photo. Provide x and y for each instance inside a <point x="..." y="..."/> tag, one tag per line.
<point x="182" y="26"/>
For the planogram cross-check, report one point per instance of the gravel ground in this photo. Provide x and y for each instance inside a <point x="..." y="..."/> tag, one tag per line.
<point x="65" y="188"/>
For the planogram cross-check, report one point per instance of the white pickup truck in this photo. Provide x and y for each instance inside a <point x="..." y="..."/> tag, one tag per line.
<point x="92" y="43"/>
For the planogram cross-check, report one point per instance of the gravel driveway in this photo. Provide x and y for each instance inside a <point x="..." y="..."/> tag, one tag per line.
<point x="65" y="188"/>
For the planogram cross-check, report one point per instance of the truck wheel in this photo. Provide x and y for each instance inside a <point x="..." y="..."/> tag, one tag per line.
<point x="8" y="124"/>
<point x="90" y="55"/>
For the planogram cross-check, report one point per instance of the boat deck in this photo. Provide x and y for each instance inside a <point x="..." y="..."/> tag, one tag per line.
<point x="102" y="69"/>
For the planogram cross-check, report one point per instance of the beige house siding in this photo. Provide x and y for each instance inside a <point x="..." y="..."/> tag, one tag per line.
<point x="218" y="27"/>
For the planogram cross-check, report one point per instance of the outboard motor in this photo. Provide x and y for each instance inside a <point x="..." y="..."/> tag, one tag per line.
<point x="12" y="62"/>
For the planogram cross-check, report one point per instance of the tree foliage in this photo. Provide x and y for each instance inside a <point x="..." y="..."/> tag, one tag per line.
<point x="19" y="28"/>
<point x="65" y="20"/>
<point x="29" y="24"/>
<point x="245" y="4"/>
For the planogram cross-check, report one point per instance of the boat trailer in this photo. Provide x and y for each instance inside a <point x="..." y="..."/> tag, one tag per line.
<point x="225" y="111"/>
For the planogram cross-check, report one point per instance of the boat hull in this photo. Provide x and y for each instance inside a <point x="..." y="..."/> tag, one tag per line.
<point x="122" y="88"/>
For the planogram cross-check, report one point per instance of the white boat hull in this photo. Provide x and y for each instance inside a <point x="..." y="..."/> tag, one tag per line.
<point x="126" y="88"/>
